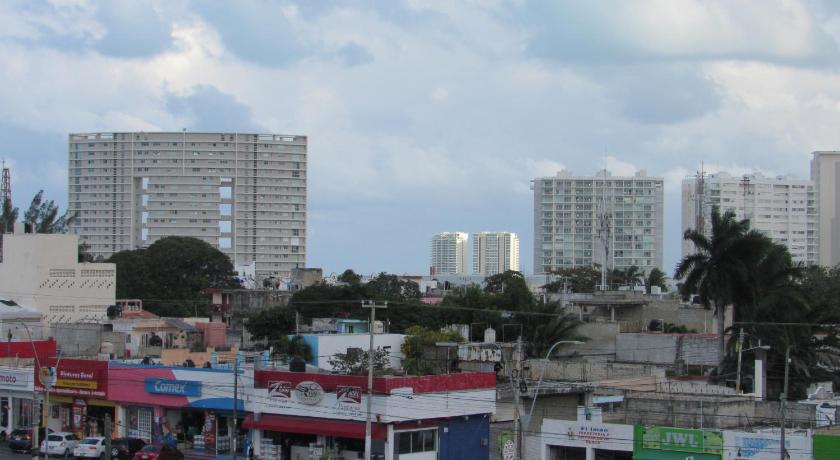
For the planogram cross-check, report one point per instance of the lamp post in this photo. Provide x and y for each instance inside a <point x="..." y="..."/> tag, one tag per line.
<point x="542" y="373"/>
<point x="783" y="405"/>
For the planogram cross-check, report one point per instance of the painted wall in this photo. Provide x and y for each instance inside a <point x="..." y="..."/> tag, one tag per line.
<point x="460" y="438"/>
<point x="134" y="384"/>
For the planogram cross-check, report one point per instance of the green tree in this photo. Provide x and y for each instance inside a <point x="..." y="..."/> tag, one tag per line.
<point x="8" y="217"/>
<point x="350" y="277"/>
<point x="545" y="324"/>
<point x="510" y="291"/>
<point x="577" y="279"/>
<point x="172" y="275"/>
<point x="84" y="254"/>
<point x="356" y="361"/>
<point x="418" y="342"/>
<point x="391" y="287"/>
<point x="44" y="218"/>
<point x="656" y="277"/>
<point x="720" y="269"/>
<point x="271" y="325"/>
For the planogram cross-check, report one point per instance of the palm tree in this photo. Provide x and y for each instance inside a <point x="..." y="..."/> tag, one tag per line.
<point x="720" y="269"/>
<point x="656" y="277"/>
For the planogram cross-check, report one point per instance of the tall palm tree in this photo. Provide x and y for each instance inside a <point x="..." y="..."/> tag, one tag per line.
<point x="656" y="277"/>
<point x="720" y="269"/>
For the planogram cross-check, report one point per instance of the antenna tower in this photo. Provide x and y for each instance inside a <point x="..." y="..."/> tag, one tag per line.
<point x="6" y="185"/>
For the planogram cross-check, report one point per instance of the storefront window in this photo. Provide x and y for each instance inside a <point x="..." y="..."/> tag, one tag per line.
<point x="4" y="412"/>
<point x="24" y="411"/>
<point x="139" y="423"/>
<point x="412" y="442"/>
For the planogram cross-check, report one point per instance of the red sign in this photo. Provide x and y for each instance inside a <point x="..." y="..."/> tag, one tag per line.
<point x="79" y="377"/>
<point x="280" y="389"/>
<point x="348" y="395"/>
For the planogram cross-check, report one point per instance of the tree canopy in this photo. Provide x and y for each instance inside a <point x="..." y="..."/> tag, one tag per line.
<point x="172" y="274"/>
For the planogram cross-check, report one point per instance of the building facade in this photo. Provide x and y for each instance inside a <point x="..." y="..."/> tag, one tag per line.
<point x="782" y="207"/>
<point x="244" y="194"/>
<point x="449" y="253"/>
<point x="825" y="171"/>
<point x="42" y="272"/>
<point x="494" y="252"/>
<point x="615" y="221"/>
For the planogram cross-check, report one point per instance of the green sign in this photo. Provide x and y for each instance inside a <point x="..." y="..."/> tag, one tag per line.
<point x="678" y="440"/>
<point x="826" y="447"/>
<point x="507" y="446"/>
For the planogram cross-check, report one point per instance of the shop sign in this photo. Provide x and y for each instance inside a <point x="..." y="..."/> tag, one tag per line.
<point x="78" y="377"/>
<point x="280" y="389"/>
<point x="172" y="387"/>
<point x="348" y="395"/>
<point x="588" y="434"/>
<point x="507" y="448"/>
<point x="14" y="379"/>
<point x="681" y="440"/>
<point x="309" y="392"/>
<point x="765" y="446"/>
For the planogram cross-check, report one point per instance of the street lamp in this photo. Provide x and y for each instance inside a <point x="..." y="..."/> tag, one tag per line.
<point x="542" y="373"/>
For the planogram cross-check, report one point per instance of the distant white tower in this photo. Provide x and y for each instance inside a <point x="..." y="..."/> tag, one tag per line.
<point x="449" y="253"/>
<point x="494" y="252"/>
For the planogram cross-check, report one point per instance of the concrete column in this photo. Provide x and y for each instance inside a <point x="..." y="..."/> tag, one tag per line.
<point x="389" y="444"/>
<point x="590" y="453"/>
<point x="256" y="442"/>
<point x="12" y="417"/>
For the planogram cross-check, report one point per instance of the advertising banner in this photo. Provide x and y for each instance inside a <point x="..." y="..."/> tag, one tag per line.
<point x="77" y="377"/>
<point x="656" y="443"/>
<point x="605" y="436"/>
<point x="765" y="446"/>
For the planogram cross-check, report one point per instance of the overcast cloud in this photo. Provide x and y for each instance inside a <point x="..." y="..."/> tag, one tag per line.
<point x="428" y="116"/>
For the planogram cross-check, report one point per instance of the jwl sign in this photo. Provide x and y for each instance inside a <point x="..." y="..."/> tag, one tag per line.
<point x="680" y="440"/>
<point x="173" y="387"/>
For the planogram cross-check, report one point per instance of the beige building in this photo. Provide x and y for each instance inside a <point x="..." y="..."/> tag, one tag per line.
<point x="42" y="272"/>
<point x="825" y="172"/>
<point x="494" y="252"/>
<point x="244" y="194"/>
<point x="449" y="252"/>
<point x="782" y="208"/>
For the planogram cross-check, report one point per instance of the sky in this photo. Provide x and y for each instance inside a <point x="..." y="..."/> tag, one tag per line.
<point x="426" y="116"/>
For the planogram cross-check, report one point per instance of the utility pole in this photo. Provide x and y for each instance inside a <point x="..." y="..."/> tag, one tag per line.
<point x="235" y="403"/>
<point x="517" y="424"/>
<point x="783" y="405"/>
<point x="368" y="439"/>
<point x="738" y="372"/>
<point x="108" y="436"/>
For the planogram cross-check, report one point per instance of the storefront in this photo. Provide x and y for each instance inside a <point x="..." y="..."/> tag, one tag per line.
<point x="78" y="399"/>
<point x="826" y="447"/>
<point x="15" y="399"/>
<point x="666" y="443"/>
<point x="586" y="439"/>
<point x="307" y="415"/>
<point x="739" y="445"/>
<point x="188" y="407"/>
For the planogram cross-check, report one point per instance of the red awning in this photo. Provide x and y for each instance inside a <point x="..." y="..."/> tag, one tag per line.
<point x="322" y="426"/>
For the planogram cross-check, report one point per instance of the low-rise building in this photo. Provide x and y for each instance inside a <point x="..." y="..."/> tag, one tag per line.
<point x="42" y="271"/>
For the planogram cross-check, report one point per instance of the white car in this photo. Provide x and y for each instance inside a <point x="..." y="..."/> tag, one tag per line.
<point x="61" y="443"/>
<point x="90" y="448"/>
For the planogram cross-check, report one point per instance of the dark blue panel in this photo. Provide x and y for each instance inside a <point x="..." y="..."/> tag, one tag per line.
<point x="463" y="438"/>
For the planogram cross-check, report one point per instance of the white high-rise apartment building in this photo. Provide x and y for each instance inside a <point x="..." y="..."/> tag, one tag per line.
<point x="449" y="253"/>
<point x="586" y="220"/>
<point x="494" y="252"/>
<point x="825" y="172"/>
<point x="782" y="208"/>
<point x="245" y="194"/>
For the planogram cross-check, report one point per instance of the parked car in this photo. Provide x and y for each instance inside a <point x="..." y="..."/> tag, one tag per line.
<point x="125" y="448"/>
<point x="158" y="452"/>
<point x="61" y="444"/>
<point x="93" y="447"/>
<point x="20" y="440"/>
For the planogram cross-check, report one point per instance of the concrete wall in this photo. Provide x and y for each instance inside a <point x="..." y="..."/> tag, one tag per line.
<point x="330" y="344"/>
<point x="577" y="370"/>
<point x="667" y="349"/>
<point x="42" y="272"/>
<point x="77" y="339"/>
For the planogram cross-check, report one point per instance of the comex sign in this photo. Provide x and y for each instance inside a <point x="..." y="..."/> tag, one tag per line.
<point x="173" y="387"/>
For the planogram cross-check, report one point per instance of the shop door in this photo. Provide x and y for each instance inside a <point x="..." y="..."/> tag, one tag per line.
<point x="601" y="454"/>
<point x="567" y="453"/>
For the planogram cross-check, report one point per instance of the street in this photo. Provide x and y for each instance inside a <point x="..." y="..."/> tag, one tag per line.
<point x="6" y="453"/>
